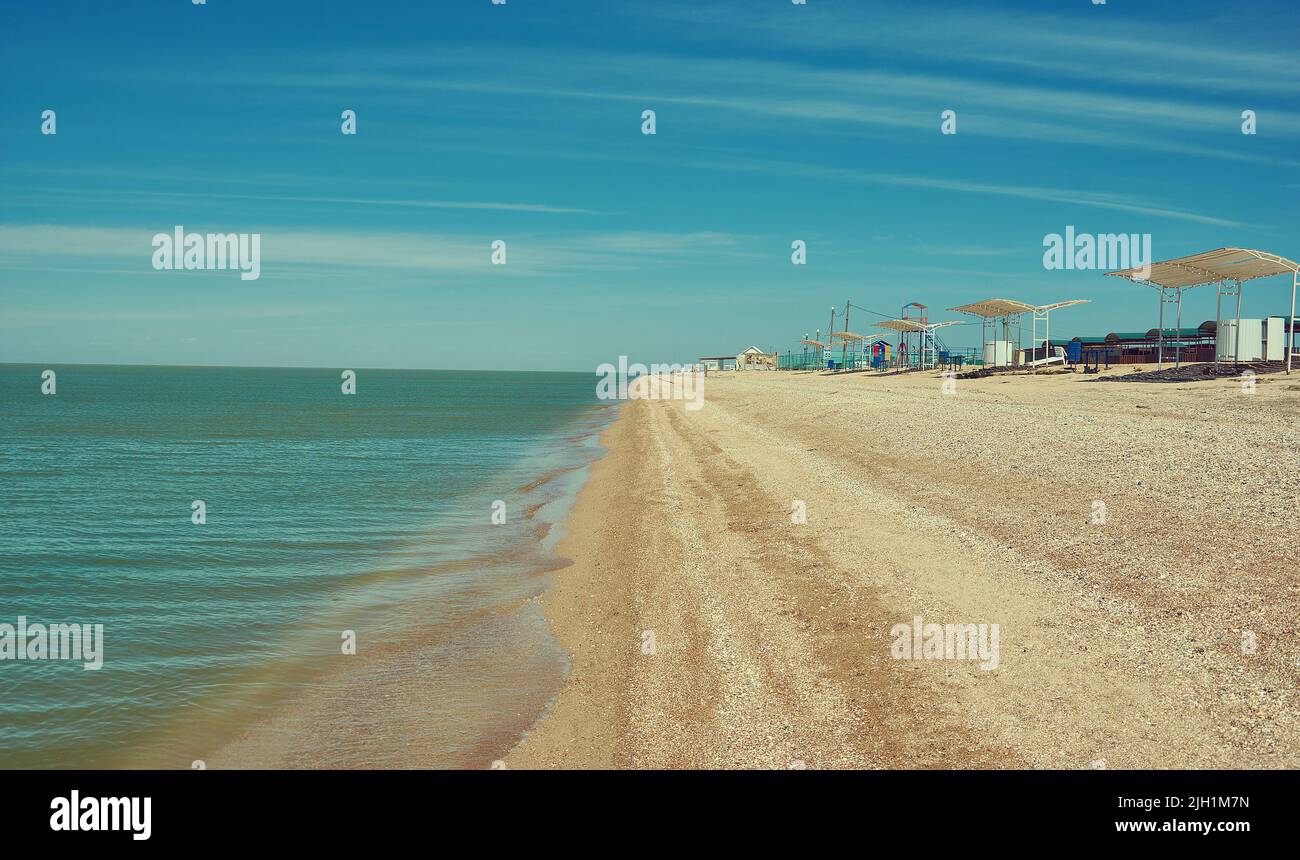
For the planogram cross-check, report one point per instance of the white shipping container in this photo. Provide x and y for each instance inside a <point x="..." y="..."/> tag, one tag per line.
<point x="997" y="353"/>
<point x="1249" y="348"/>
<point x="1275" y="340"/>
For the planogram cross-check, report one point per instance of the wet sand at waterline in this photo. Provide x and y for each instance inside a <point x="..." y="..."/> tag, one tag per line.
<point x="1120" y="642"/>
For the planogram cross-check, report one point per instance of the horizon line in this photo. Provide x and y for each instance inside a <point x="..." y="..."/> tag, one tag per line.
<point x="276" y="367"/>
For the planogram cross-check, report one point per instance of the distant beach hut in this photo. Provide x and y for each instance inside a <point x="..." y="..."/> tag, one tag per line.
<point x="754" y="358"/>
<point x="718" y="362"/>
<point x="880" y="351"/>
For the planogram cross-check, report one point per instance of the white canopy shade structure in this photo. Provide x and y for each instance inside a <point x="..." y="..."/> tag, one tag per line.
<point x="904" y="326"/>
<point x="991" y="310"/>
<point x="1228" y="268"/>
<point x="994" y="308"/>
<point x="913" y="325"/>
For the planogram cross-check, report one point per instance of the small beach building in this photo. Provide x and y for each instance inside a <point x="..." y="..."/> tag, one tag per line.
<point x="754" y="358"/>
<point x="718" y="362"/>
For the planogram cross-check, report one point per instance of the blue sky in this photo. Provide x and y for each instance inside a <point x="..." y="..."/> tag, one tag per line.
<point x="522" y="122"/>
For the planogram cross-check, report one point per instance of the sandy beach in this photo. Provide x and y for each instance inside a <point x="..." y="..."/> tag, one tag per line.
<point x="1165" y="636"/>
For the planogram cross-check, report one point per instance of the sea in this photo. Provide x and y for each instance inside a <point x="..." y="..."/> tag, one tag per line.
<point x="285" y="574"/>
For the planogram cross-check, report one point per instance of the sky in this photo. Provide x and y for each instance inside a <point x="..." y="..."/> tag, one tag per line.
<point x="522" y="122"/>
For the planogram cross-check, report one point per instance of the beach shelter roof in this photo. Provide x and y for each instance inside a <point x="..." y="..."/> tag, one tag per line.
<point x="995" y="308"/>
<point x="814" y="343"/>
<point x="902" y="325"/>
<point x="848" y="335"/>
<point x="1211" y="267"/>
<point x="913" y="325"/>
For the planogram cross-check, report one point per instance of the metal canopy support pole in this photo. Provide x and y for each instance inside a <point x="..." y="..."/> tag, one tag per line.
<point x="1160" y="333"/>
<point x="1236" y="346"/>
<point x="845" y="355"/>
<point x="902" y="342"/>
<point x="1290" y="332"/>
<point x="1178" y="332"/>
<point x="827" y="355"/>
<point x="1218" y="324"/>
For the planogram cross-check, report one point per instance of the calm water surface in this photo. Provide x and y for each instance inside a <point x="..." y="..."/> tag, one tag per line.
<point x="325" y="512"/>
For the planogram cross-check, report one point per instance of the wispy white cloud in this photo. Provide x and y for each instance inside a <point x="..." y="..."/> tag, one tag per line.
<point x="961" y="251"/>
<point x="121" y="195"/>
<point x="1064" y="112"/>
<point x="434" y="254"/>
<point x="17" y="316"/>
<point x="1088" y="44"/>
<point x="1113" y="201"/>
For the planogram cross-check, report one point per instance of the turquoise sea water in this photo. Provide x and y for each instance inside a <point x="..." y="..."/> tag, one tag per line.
<point x="325" y="512"/>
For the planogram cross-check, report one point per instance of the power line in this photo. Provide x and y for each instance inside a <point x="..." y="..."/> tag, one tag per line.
<point x="870" y="311"/>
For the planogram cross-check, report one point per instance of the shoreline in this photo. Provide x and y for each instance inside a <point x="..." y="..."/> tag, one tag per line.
<point x="1121" y="643"/>
<point x="430" y="688"/>
<point x="570" y="716"/>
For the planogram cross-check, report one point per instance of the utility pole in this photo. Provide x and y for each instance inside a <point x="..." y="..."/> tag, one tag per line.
<point x="830" y="331"/>
<point x="844" y="357"/>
